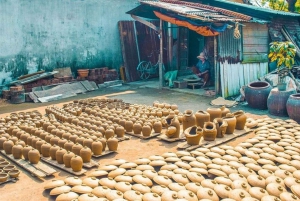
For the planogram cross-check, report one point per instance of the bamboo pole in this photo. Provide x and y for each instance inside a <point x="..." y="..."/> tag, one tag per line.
<point x="160" y="85"/>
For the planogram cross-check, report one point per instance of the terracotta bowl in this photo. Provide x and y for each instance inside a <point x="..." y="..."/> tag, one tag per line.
<point x="14" y="173"/>
<point x="9" y="168"/>
<point x="3" y="177"/>
<point x="4" y="164"/>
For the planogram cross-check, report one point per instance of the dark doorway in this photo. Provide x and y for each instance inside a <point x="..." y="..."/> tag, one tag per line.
<point x="196" y="45"/>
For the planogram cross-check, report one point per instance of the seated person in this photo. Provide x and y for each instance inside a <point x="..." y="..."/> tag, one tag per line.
<point x="202" y="68"/>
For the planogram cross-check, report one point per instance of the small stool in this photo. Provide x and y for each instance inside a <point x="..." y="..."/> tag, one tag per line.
<point x="193" y="85"/>
<point x="180" y="84"/>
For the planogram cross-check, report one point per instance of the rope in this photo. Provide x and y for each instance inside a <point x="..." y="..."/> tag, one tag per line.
<point x="236" y="32"/>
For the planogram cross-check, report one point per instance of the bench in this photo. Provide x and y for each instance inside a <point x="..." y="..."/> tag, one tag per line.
<point x="193" y="85"/>
<point x="180" y="84"/>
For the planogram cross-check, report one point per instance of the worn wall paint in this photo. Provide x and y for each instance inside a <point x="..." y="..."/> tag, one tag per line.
<point x="43" y="35"/>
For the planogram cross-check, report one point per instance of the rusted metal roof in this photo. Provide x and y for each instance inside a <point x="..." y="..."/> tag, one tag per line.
<point x="199" y="11"/>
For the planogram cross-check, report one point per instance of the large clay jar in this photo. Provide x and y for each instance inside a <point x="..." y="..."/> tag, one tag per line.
<point x="34" y="156"/>
<point x="46" y="149"/>
<point x="25" y="151"/>
<point x="97" y="147"/>
<point x="146" y="130"/>
<point x="59" y="155"/>
<point x="193" y="135"/>
<point x="109" y="133"/>
<point x="128" y="126"/>
<point x="240" y="120"/>
<point x="157" y="127"/>
<point x="88" y="142"/>
<point x="293" y="107"/>
<point x="2" y="140"/>
<point x="76" y="163"/>
<point x="214" y="113"/>
<point x="256" y="94"/>
<point x="112" y="144"/>
<point x="86" y="154"/>
<point x="137" y="128"/>
<point x="173" y="130"/>
<point x="76" y="148"/>
<point x="103" y="141"/>
<point x="7" y="146"/>
<point x="188" y="119"/>
<point x="53" y="151"/>
<point x="39" y="144"/>
<point x="17" y="151"/>
<point x="201" y="118"/>
<point x="120" y="131"/>
<point x="209" y="131"/>
<point x="224" y="110"/>
<point x="67" y="158"/>
<point x="221" y="126"/>
<point x="231" y="123"/>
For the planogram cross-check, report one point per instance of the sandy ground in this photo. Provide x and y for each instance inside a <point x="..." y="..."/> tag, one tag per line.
<point x="31" y="188"/>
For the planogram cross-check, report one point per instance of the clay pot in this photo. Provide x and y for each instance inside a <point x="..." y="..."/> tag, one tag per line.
<point x="3" y="177"/>
<point x="86" y="154"/>
<point x="104" y="142"/>
<point x="221" y="126"/>
<point x="76" y="163"/>
<point x="2" y="140"/>
<point x="157" y="127"/>
<point x="53" y="151"/>
<point x="68" y="145"/>
<point x="171" y="132"/>
<point x="201" y="118"/>
<point x="146" y="130"/>
<point x="59" y="155"/>
<point x="128" y="126"/>
<point x="39" y="144"/>
<point x="188" y="119"/>
<point x="109" y="133"/>
<point x="97" y="147"/>
<point x="17" y="151"/>
<point x="45" y="149"/>
<point x="34" y="156"/>
<point x="25" y="151"/>
<point x="214" y="113"/>
<point x="209" y="131"/>
<point x="83" y="73"/>
<point x="224" y="110"/>
<point x="67" y="158"/>
<point x="193" y="135"/>
<point x="112" y="144"/>
<point x="240" y="120"/>
<point x="231" y="123"/>
<point x="23" y="144"/>
<point x="137" y="128"/>
<point x="120" y="131"/>
<point x="88" y="142"/>
<point x="7" y="146"/>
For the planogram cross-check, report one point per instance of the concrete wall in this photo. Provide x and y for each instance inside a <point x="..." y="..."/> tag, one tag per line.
<point x="43" y="35"/>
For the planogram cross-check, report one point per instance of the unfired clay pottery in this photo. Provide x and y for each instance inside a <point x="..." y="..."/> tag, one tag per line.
<point x="109" y="133"/>
<point x="231" y="121"/>
<point x="201" y="117"/>
<point x="214" y="113"/>
<point x="52" y="152"/>
<point x="221" y="126"/>
<point x="112" y="144"/>
<point x="137" y="128"/>
<point x="76" y="163"/>
<point x="67" y="158"/>
<point x="120" y="131"/>
<point x="7" y="146"/>
<point x="67" y="196"/>
<point x="97" y="147"/>
<point x="240" y="119"/>
<point x="146" y="130"/>
<point x="193" y="135"/>
<point x="209" y="131"/>
<point x="17" y="151"/>
<point x="86" y="154"/>
<point x="157" y="127"/>
<point x="224" y="110"/>
<point x="34" y="156"/>
<point x="188" y="119"/>
<point x="128" y="126"/>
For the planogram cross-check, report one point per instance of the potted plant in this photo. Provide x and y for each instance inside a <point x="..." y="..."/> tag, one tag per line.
<point x="284" y="54"/>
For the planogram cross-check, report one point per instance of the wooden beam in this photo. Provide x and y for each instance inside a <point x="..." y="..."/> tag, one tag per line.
<point x="149" y="24"/>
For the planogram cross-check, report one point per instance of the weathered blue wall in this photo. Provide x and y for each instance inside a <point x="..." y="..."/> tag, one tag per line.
<point x="43" y="35"/>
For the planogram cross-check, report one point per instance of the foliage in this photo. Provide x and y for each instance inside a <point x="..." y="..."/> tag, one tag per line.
<point x="276" y="4"/>
<point x="282" y="52"/>
<point x="297" y="6"/>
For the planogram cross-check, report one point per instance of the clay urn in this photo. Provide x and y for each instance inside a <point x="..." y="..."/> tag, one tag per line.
<point x="209" y="131"/>
<point x="3" y="177"/>
<point x="23" y="144"/>
<point x="109" y="133"/>
<point x="231" y="123"/>
<point x="88" y="142"/>
<point x="104" y="142"/>
<point x="45" y="149"/>
<point x="17" y="151"/>
<point x="34" y="156"/>
<point x="48" y="137"/>
<point x="7" y="146"/>
<point x="193" y="135"/>
<point x="25" y="151"/>
<point x="221" y="126"/>
<point x="188" y="119"/>
<point x="157" y="127"/>
<point x="59" y="155"/>
<point x="86" y="154"/>
<point x="67" y="158"/>
<point x="76" y="163"/>
<point x="224" y="110"/>
<point x="2" y="140"/>
<point x="39" y="144"/>
<point x="214" y="113"/>
<point x="53" y="151"/>
<point x="128" y="126"/>
<point x="68" y="145"/>
<point x="112" y="144"/>
<point x="146" y="130"/>
<point x="201" y="117"/>
<point x="137" y="128"/>
<point x="97" y="147"/>
<point x="76" y="148"/>
<point x="61" y="142"/>
<point x="241" y="119"/>
<point x="120" y="131"/>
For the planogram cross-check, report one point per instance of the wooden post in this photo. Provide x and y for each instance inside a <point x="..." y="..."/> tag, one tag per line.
<point x="160" y="85"/>
<point x="217" y="72"/>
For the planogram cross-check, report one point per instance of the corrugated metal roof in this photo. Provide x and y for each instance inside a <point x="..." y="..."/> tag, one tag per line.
<point x="199" y="11"/>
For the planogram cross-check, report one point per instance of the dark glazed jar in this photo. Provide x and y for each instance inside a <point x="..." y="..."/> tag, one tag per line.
<point x="293" y="107"/>
<point x="256" y="94"/>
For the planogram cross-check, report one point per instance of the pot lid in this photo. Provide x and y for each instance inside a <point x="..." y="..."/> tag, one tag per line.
<point x="181" y="171"/>
<point x="187" y="195"/>
<point x="87" y="197"/>
<point x="245" y="159"/>
<point x="256" y="181"/>
<point x="238" y="194"/>
<point x="92" y="182"/>
<point x="101" y="191"/>
<point x="253" y="140"/>
<point x="194" y="187"/>
<point x="144" y="167"/>
<point x="59" y="190"/>
<point x="108" y="181"/>
<point x="296" y="144"/>
<point x="124" y="178"/>
<point x="151" y="197"/>
<point x="252" y="154"/>
<point x="289" y="181"/>
<point x="169" y="167"/>
<point x="172" y="159"/>
<point x="296" y="189"/>
<point x="253" y="166"/>
<point x="142" y="161"/>
<point x="226" y="147"/>
<point x="240" y="184"/>
<point x="246" y="171"/>
<point x="261" y="145"/>
<point x="245" y="144"/>
<point x="188" y="158"/>
<point x="98" y="173"/>
<point x="208" y="183"/>
<point x="54" y="183"/>
<point x="283" y="144"/>
<point x="222" y="190"/>
<point x="142" y="188"/>
<point x="123" y="186"/>
<point x="265" y="173"/>
<point x="258" y="192"/>
<point x="157" y="163"/>
<point x="286" y="196"/>
<point x="133" y="195"/>
<point x="217" y="172"/>
<point x="197" y="164"/>
<point x="282" y="173"/>
<point x="150" y="173"/>
<point x="142" y="179"/>
<point x="114" y="194"/>
<point x="213" y="155"/>
<point x="169" y="196"/>
<point x="218" y="150"/>
<point x="274" y="179"/>
<point x="228" y="169"/>
<point x="275" y="189"/>
<point x="108" y="167"/>
<point x="235" y="164"/>
<point x="182" y="164"/>
<point x="82" y="189"/>
<point x="263" y="161"/>
<point x="167" y="173"/>
<point x="155" y="157"/>
<point x="295" y="164"/>
<point x="159" y="189"/>
<point x="228" y="157"/>
<point x="116" y="172"/>
<point x="118" y="162"/>
<point x="133" y="172"/>
<point x="276" y="147"/>
<point x="179" y="178"/>
<point x="169" y="154"/>
<point x="195" y="177"/>
<point x="214" y="166"/>
<point x="207" y="193"/>
<point x="223" y="180"/>
<point x="204" y="159"/>
<point x="219" y="161"/>
<point x="291" y="152"/>
<point x="273" y="168"/>
<point x="267" y="156"/>
<point x="183" y="153"/>
<point x="256" y="150"/>
<point x="162" y="180"/>
<point x="199" y="170"/>
<point x="128" y="165"/>
<point x="296" y="174"/>
<point x="197" y="153"/>
<point x="236" y="176"/>
<point x="203" y="150"/>
<point x="67" y="196"/>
